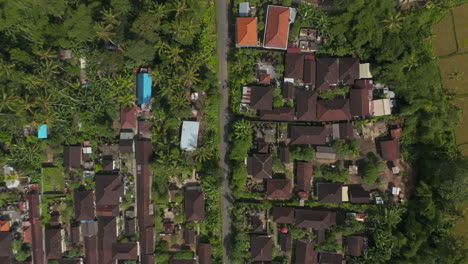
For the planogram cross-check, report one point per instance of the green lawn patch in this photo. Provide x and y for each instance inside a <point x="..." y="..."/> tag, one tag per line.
<point x="53" y="179"/>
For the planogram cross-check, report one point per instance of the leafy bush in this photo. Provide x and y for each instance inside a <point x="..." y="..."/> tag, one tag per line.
<point x="347" y="148"/>
<point x="372" y="169"/>
<point x="302" y="153"/>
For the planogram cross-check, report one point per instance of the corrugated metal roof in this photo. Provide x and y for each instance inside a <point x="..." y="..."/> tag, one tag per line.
<point x="144" y="83"/>
<point x="42" y="131"/>
<point x="189" y="138"/>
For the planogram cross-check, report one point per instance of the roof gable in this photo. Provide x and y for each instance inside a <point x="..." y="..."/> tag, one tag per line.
<point x="84" y="205"/>
<point x="246" y="31"/>
<point x="359" y="102"/>
<point x="294" y="66"/>
<point x="261" y="248"/>
<point x="309" y="135"/>
<point x="128" y="117"/>
<point x="261" y="98"/>
<point x="283" y="215"/>
<point x="277" y="27"/>
<point x="304" y="176"/>
<point x="316" y="219"/>
<point x="194" y="205"/>
<point x="390" y="149"/>
<point x="329" y="192"/>
<point x="305" y="252"/>
<point x="306" y="105"/>
<point x="260" y="166"/>
<point x="333" y="110"/>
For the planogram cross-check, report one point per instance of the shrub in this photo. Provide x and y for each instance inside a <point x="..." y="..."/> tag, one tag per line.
<point x="372" y="169"/>
<point x="303" y="153"/>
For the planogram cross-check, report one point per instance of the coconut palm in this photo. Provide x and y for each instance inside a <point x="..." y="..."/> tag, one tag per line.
<point x="110" y="17"/>
<point x="127" y="100"/>
<point x="203" y="153"/>
<point x="159" y="11"/>
<point x="242" y="129"/>
<point x="9" y="102"/>
<point x="179" y="6"/>
<point x="104" y="32"/>
<point x="46" y="54"/>
<point x="394" y="21"/>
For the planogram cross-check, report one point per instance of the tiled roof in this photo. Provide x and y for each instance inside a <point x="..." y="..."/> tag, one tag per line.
<point x="261" y="98"/>
<point x="84" y="205"/>
<point x="279" y="189"/>
<point x="333" y="110"/>
<point x="327" y="73"/>
<point x="109" y="190"/>
<point x="309" y="135"/>
<point x="128" y="117"/>
<point x="6" y="239"/>
<point x="53" y="243"/>
<point x="306" y="106"/>
<point x="277" y="27"/>
<point x="285" y="242"/>
<point x="260" y="166"/>
<point x="358" y="195"/>
<point x="294" y="67"/>
<point x="304" y="176"/>
<point x="72" y="156"/>
<point x="329" y="192"/>
<point x="246" y="31"/>
<point x="194" y="205"/>
<point x="261" y="248"/>
<point x="390" y="149"/>
<point x="316" y="219"/>
<point x="305" y="252"/>
<point x="330" y="258"/>
<point x="359" y="101"/>
<point x="278" y="114"/>
<point x="127" y="251"/>
<point x="107" y="236"/>
<point x="310" y="69"/>
<point x="283" y="215"/>
<point x="204" y="253"/>
<point x="355" y="245"/>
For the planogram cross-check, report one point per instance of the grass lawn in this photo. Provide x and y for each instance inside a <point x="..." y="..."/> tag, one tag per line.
<point x="444" y="42"/>
<point x="53" y="179"/>
<point x="460" y="15"/>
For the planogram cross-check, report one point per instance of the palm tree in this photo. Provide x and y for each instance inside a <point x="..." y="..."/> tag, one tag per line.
<point x="242" y="129"/>
<point x="173" y="54"/>
<point x="203" y="154"/>
<point x="394" y="22"/>
<point x="159" y="11"/>
<point x="110" y="17"/>
<point x="127" y="100"/>
<point x="179" y="6"/>
<point x="411" y="61"/>
<point x="189" y="75"/>
<point x="104" y="32"/>
<point x="9" y="102"/>
<point x="46" y="54"/>
<point x="162" y="47"/>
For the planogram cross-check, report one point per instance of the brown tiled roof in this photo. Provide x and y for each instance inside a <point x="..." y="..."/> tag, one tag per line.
<point x="6" y="239"/>
<point x="288" y="90"/>
<point x="147" y="259"/>
<point x="305" y="253"/>
<point x="346" y="131"/>
<point x="260" y="166"/>
<point x="128" y="117"/>
<point x="261" y="98"/>
<point x="330" y="258"/>
<point x="90" y="250"/>
<point x="319" y="236"/>
<point x="279" y="189"/>
<point x="75" y="234"/>
<point x="53" y="243"/>
<point x="396" y="133"/>
<point x="284" y="153"/>
<point x="348" y="70"/>
<point x="109" y="190"/>
<point x="84" y="205"/>
<point x="309" y="135"/>
<point x="265" y="78"/>
<point x="327" y="73"/>
<point x="189" y="237"/>
<point x="277" y="27"/>
<point x="144" y="128"/>
<point x="261" y="248"/>
<point x="283" y="215"/>
<point x="329" y="192"/>
<point x="310" y="69"/>
<point x="306" y="106"/>
<point x="108" y="163"/>
<point x="36" y="223"/>
<point x="285" y="242"/>
<point x="359" y="101"/>
<point x="194" y="205"/>
<point x="333" y="110"/>
<point x="246" y="31"/>
<point x="126" y="251"/>
<point x="130" y="226"/>
<point x="316" y="219"/>
<point x="126" y="145"/>
<point x="304" y="176"/>
<point x="204" y="253"/>
<point x="294" y="66"/>
<point x="69" y="261"/>
<point x="355" y="245"/>
<point x="262" y="147"/>
<point x="72" y="156"/>
<point x="390" y="149"/>
<point x="358" y="195"/>
<point x="278" y="114"/>
<point x="107" y="236"/>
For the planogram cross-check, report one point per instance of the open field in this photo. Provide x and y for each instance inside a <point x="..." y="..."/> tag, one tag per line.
<point x="444" y="42"/>
<point x="53" y="180"/>
<point x="454" y="73"/>
<point x="460" y="15"/>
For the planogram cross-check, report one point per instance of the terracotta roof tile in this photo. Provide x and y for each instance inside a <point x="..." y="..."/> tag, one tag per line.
<point x="261" y="248"/>
<point x="304" y="176"/>
<point x="333" y="110"/>
<point x="283" y="215"/>
<point x="246" y="31"/>
<point x="277" y="27"/>
<point x="390" y="149"/>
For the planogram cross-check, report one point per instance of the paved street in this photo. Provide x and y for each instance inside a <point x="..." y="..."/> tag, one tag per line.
<point x="224" y="118"/>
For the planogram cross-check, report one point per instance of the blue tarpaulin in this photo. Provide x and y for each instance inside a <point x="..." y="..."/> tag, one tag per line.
<point x="144" y="88"/>
<point x="42" y="131"/>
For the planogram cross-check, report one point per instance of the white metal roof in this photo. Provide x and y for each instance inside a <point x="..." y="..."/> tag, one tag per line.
<point x="189" y="137"/>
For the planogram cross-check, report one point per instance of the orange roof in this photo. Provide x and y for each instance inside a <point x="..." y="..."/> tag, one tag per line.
<point x="27" y="235"/>
<point x="4" y="226"/>
<point x="277" y="28"/>
<point x="247" y="31"/>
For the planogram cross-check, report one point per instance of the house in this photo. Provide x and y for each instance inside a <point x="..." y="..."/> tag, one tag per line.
<point x="109" y="193"/>
<point x="261" y="248"/>
<point x="284" y="153"/>
<point x="189" y="237"/>
<point x="288" y="91"/>
<point x="72" y="156"/>
<point x="144" y="84"/>
<point x="36" y="224"/>
<point x="304" y="176"/>
<point x="204" y="253"/>
<point x="307" y="218"/>
<point x="283" y="215"/>
<point x="278" y="19"/>
<point x="244" y="8"/>
<point x="294" y="67"/>
<point x="264" y="78"/>
<point x="325" y="153"/>
<point x="306" y="105"/>
<point x="396" y="133"/>
<point x="144" y="129"/>
<point x="332" y="72"/>
<point x="189" y="136"/>
<point x="260" y="166"/>
<point x="130" y="226"/>
<point x="333" y="110"/>
<point x="75" y="234"/>
<point x="108" y="163"/>
<point x="305" y="252"/>
<point x="42" y="131"/>
<point x="126" y="143"/>
<point x="364" y="71"/>
<point x="194" y="205"/>
<point x="329" y="192"/>
<point x="27" y="232"/>
<point x="310" y="70"/>
<point x="125" y="251"/>
<point x="90" y="250"/>
<point x="355" y="245"/>
<point x="343" y="131"/>
<point x="358" y="195"/>
<point x="278" y="114"/>
<point x="53" y="243"/>
<point x="4" y="226"/>
<point x="83" y="205"/>
<point x="128" y="117"/>
<point x="107" y="236"/>
<point x="246" y="32"/>
<point x="330" y="258"/>
<point x="360" y="97"/>
<point x="390" y="149"/>
<point x="6" y="250"/>
<point x="309" y="135"/>
<point x="381" y="107"/>
<point x="261" y="98"/>
<point x="285" y="242"/>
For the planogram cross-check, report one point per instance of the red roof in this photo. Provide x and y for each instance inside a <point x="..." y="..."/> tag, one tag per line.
<point x="128" y="117"/>
<point x="265" y="78"/>
<point x="277" y="27"/>
<point x="27" y="235"/>
<point x="304" y="176"/>
<point x="396" y="133"/>
<point x="333" y="110"/>
<point x="390" y="149"/>
<point x="246" y="31"/>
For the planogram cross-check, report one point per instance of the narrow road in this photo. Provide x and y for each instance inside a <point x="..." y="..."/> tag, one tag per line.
<point x="223" y="42"/>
